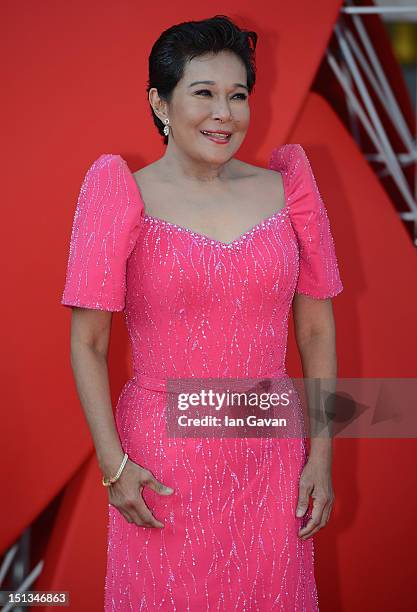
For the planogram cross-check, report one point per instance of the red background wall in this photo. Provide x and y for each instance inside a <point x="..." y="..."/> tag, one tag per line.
<point x="76" y="75"/>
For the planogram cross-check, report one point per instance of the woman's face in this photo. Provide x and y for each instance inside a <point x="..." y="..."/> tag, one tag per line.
<point x="219" y="104"/>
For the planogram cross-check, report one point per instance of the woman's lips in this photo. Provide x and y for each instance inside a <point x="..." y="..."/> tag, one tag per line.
<point x="216" y="139"/>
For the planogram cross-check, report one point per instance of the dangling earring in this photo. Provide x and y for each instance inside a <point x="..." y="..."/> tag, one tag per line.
<point x="166" y="128"/>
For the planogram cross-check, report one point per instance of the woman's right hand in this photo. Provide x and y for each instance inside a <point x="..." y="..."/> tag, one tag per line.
<point x="123" y="494"/>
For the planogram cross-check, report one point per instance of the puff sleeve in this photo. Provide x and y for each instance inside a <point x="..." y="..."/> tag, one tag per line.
<point x="319" y="275"/>
<point x="106" y="224"/>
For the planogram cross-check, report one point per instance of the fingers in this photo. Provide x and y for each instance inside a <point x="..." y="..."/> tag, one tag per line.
<point x="124" y="496"/>
<point x="155" y="485"/>
<point x="141" y="518"/>
<point x="140" y="513"/>
<point x="126" y="515"/>
<point x="303" y="498"/>
<point x="313" y="522"/>
<point x="319" y="517"/>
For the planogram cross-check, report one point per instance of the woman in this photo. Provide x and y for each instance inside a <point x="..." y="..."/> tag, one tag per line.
<point x="205" y="254"/>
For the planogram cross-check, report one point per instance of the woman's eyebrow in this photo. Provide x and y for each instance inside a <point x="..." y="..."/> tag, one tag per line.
<point x="213" y="83"/>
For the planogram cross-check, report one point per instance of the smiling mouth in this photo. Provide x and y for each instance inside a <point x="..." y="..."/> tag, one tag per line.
<point x="216" y="137"/>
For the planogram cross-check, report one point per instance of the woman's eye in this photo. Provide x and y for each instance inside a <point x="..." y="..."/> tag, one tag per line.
<point x="204" y="91"/>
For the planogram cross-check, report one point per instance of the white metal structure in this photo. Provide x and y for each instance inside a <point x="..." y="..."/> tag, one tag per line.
<point x="362" y="109"/>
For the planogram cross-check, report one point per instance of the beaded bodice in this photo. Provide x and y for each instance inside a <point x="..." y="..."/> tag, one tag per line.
<point x="196" y="306"/>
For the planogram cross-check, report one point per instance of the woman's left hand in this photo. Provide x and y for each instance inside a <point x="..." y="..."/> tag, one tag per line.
<point x="315" y="480"/>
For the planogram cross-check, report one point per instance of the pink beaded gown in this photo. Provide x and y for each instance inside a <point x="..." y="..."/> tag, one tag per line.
<point x="198" y="307"/>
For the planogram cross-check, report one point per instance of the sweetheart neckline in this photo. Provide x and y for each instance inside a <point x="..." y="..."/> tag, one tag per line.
<point x="208" y="239"/>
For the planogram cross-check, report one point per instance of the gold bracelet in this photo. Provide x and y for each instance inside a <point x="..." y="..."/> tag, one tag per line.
<point x="107" y="482"/>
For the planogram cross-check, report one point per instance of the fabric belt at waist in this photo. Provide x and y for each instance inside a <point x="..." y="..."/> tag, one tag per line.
<point x="190" y="384"/>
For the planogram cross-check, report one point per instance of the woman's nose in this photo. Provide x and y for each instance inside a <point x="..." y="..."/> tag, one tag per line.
<point x="222" y="111"/>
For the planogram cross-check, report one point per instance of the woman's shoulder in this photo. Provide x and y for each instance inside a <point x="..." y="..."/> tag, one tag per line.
<point x="148" y="172"/>
<point x="105" y="165"/>
<point x="107" y="160"/>
<point x="282" y="158"/>
<point x="285" y="156"/>
<point x="292" y="162"/>
<point x="108" y="180"/>
<point x="113" y="162"/>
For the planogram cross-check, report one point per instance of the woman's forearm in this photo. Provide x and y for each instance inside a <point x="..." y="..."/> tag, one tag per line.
<point x="92" y="381"/>
<point x="319" y="361"/>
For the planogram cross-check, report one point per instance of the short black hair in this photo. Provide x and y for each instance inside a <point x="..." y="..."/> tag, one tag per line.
<point x="184" y="41"/>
